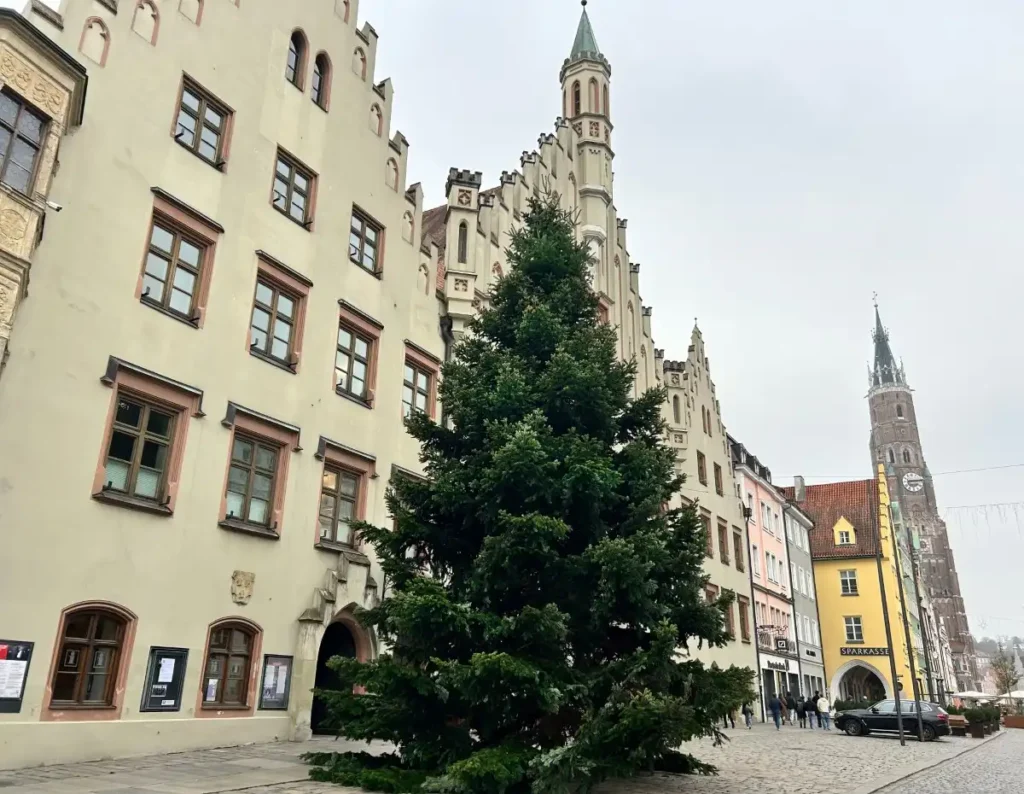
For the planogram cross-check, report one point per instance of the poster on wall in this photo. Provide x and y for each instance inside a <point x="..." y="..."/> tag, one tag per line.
<point x="165" y="678"/>
<point x="276" y="682"/>
<point x="15" y="656"/>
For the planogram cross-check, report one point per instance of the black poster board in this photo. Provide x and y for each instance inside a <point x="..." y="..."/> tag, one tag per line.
<point x="275" y="683"/>
<point x="15" y="656"/>
<point x="165" y="678"/>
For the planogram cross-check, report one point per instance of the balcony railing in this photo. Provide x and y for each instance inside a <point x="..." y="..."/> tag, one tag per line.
<point x="775" y="643"/>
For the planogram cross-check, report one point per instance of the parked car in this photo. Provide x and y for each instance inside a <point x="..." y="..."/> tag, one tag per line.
<point x="881" y="718"/>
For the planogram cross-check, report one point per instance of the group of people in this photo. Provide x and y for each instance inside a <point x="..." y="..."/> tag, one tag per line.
<point x="785" y="709"/>
<point x="805" y="710"/>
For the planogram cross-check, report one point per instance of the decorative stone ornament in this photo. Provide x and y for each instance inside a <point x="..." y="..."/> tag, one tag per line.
<point x="241" y="586"/>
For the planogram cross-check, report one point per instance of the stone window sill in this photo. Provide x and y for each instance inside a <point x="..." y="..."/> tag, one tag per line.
<point x="290" y="368"/>
<point x="133" y="503"/>
<point x="234" y="525"/>
<point x="356" y="400"/>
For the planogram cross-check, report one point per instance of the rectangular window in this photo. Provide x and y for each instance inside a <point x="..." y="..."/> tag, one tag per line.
<point x="250" y="491"/>
<point x="352" y="363"/>
<point x="702" y="469"/>
<point x="737" y="549"/>
<point x="844" y="537"/>
<point x="719" y="489"/>
<point x="202" y="123"/>
<point x="364" y="242"/>
<point x="755" y="562"/>
<point x="723" y="543"/>
<point x="416" y="389"/>
<point x="848" y="582"/>
<point x="730" y="625"/>
<point x="854" y="630"/>
<point x="744" y="606"/>
<point x="339" y="497"/>
<point x="22" y="131"/>
<point x="799" y="629"/>
<point x="709" y="548"/>
<point x="139" y="450"/>
<point x="808" y="636"/>
<point x="273" y="322"/>
<point x="170" y="279"/>
<point x="792" y="575"/>
<point x="293" y="189"/>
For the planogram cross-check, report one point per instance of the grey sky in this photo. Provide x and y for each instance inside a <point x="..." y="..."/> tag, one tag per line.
<point x="778" y="163"/>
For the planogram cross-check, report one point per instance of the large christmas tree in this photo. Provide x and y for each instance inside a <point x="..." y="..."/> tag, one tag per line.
<point x="538" y="585"/>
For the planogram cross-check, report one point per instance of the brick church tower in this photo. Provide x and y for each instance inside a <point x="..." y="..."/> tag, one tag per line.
<point x="896" y="442"/>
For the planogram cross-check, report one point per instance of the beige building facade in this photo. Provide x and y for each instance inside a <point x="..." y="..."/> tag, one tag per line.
<point x="213" y="317"/>
<point x="704" y="456"/>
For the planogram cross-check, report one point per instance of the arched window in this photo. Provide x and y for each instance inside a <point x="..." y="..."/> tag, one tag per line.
<point x="192" y="10"/>
<point x="296" y="66"/>
<point x="595" y="96"/>
<point x="95" y="41"/>
<point x="322" y="80"/>
<point x="899" y="411"/>
<point x="146" y="21"/>
<point x="892" y="457"/>
<point x="391" y="173"/>
<point x="91" y="648"/>
<point x="407" y="227"/>
<point x="228" y="667"/>
<point x="605" y="106"/>
<point x="376" y="120"/>
<point x="359" y="63"/>
<point x="348" y="5"/>
<point x="565" y="103"/>
<point x="463" y="243"/>
<point x="906" y="456"/>
<point x="576" y="99"/>
<point x="675" y="409"/>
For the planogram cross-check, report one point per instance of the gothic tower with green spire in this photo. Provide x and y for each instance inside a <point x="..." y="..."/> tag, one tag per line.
<point x="896" y="442"/>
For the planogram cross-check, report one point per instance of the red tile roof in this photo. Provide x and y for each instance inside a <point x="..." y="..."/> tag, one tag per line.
<point x="435" y="230"/>
<point x="855" y="501"/>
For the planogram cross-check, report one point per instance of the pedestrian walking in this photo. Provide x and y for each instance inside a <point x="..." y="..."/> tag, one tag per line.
<point x="812" y="709"/>
<point x="748" y="716"/>
<point x="727" y="718"/>
<point x="790" y="707"/>
<point x="801" y="712"/>
<point x="775" y="706"/>
<point x="824" y="712"/>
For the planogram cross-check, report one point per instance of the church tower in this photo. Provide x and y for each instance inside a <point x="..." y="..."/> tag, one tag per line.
<point x="586" y="103"/>
<point x="896" y="442"/>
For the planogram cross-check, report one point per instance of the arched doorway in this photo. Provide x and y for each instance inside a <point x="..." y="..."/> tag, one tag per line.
<point x="858" y="681"/>
<point x="337" y="641"/>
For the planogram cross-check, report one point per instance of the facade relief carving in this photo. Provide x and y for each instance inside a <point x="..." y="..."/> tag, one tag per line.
<point x="32" y="84"/>
<point x="241" y="586"/>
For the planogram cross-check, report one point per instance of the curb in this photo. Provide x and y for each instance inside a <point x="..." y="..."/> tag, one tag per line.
<point x="880" y="783"/>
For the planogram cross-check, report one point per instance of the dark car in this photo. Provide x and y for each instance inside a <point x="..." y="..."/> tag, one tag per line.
<point x="881" y="718"/>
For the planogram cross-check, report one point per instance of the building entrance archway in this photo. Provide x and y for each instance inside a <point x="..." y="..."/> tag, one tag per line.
<point x="859" y="681"/>
<point x="338" y="640"/>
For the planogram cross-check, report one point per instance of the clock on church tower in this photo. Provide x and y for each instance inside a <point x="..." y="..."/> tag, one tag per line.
<point x="913" y="482"/>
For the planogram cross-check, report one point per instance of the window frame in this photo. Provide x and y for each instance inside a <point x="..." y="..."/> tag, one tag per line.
<point x="352" y="356"/>
<point x="86" y="648"/>
<point x="744" y="605"/>
<point x="277" y="291"/>
<point x="363" y="468"/>
<point x="337" y="497"/>
<point x="426" y="364"/>
<point x="208" y="709"/>
<point x="755" y="562"/>
<point x="207" y="100"/>
<point x="298" y="43"/>
<point x="322" y="74"/>
<point x="848" y="585"/>
<point x="253" y="470"/>
<point x="709" y="541"/>
<point x="723" y="543"/>
<point x="719" y="483"/>
<point x="295" y="168"/>
<point x="179" y="234"/>
<point x="702" y="469"/>
<point x="24" y="106"/>
<point x="367" y="223"/>
<point x="141" y="434"/>
<point x="853" y="624"/>
<point x="845" y="537"/>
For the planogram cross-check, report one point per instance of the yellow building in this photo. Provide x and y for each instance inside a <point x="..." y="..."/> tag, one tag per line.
<point x="855" y="567"/>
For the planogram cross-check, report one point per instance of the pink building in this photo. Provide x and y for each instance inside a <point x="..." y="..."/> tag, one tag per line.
<point x="770" y="576"/>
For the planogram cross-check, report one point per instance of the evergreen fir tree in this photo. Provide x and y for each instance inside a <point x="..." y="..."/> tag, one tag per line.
<point x="538" y="587"/>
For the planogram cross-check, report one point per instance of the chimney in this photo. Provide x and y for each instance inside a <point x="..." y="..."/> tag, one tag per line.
<point x="799" y="489"/>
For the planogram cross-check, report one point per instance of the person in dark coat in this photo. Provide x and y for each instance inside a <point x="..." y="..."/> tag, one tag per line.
<point x="748" y="716"/>
<point x="801" y="711"/>
<point x="775" y="707"/>
<point x="790" y="707"/>
<point x="812" y="710"/>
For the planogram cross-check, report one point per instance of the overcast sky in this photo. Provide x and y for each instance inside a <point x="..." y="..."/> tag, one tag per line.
<point x="778" y="163"/>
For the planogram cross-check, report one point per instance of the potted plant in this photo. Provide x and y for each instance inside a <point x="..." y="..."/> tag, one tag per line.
<point x="1016" y="719"/>
<point x="975" y="722"/>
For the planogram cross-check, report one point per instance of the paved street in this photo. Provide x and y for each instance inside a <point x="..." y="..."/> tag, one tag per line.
<point x="993" y="769"/>
<point x="761" y="761"/>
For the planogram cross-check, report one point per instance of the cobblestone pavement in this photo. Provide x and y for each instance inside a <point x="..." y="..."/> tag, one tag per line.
<point x="993" y="769"/>
<point x="760" y="761"/>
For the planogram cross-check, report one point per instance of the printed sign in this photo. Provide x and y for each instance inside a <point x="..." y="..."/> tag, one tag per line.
<point x="863" y="651"/>
<point x="165" y="677"/>
<point x="276" y="682"/>
<point x="15" y="656"/>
